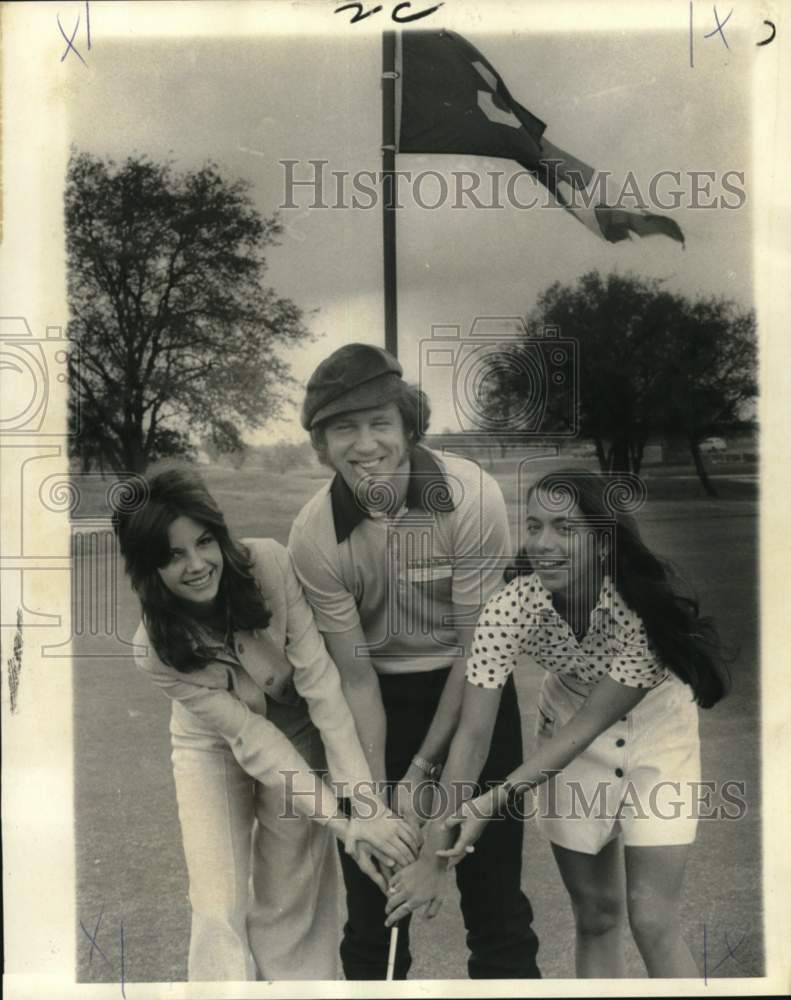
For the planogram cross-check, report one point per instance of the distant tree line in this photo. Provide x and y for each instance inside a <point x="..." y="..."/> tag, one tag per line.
<point x="281" y="456"/>
<point x="652" y="363"/>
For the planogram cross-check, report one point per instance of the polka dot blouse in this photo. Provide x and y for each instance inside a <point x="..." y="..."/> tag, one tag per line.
<point x="521" y="621"/>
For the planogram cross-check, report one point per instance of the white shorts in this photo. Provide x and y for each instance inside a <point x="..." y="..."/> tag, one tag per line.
<point x="639" y="778"/>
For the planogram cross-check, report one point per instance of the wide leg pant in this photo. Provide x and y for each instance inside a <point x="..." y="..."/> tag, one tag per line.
<point x="263" y="888"/>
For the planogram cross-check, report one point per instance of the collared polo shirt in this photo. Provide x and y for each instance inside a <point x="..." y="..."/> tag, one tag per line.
<point x="406" y="579"/>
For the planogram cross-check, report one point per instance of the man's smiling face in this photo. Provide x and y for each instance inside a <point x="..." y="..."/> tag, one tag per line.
<point x="368" y="447"/>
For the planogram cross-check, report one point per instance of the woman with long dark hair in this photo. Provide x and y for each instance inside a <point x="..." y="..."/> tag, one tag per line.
<point x="627" y="657"/>
<point x="257" y="710"/>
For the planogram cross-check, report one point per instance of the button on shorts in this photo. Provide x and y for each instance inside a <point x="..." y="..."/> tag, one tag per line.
<point x="640" y="778"/>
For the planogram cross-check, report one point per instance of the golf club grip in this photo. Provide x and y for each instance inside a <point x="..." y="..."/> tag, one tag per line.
<point x="391" y="955"/>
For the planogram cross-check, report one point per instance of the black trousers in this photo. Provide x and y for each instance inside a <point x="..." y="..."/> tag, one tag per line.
<point x="497" y="914"/>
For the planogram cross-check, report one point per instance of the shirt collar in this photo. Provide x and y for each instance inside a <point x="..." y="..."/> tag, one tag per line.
<point x="609" y="602"/>
<point x="428" y="489"/>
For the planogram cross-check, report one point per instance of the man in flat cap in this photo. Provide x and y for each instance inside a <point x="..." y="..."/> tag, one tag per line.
<point x="397" y="554"/>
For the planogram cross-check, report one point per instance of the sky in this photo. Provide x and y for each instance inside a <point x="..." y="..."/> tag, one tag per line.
<point x="622" y="100"/>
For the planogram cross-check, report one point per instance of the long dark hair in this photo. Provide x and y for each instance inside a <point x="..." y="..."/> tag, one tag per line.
<point x="686" y="643"/>
<point x="173" y="626"/>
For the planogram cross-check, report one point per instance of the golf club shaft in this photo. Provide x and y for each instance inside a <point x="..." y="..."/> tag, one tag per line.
<point x="392" y="952"/>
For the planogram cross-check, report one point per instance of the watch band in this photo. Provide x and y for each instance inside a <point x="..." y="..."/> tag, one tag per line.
<point x="512" y="790"/>
<point x="430" y="770"/>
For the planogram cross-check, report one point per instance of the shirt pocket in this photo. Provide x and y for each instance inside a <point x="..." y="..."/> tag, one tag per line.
<point x="545" y="717"/>
<point x="545" y="726"/>
<point x="430" y="590"/>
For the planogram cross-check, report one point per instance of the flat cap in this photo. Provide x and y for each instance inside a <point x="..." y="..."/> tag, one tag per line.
<point x="355" y="377"/>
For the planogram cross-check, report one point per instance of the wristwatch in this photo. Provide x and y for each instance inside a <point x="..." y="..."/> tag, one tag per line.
<point x="431" y="771"/>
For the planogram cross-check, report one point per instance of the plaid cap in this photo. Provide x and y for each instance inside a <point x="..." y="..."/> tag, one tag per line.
<point x="355" y="377"/>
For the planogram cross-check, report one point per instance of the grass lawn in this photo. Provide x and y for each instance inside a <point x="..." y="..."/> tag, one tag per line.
<point x="130" y="866"/>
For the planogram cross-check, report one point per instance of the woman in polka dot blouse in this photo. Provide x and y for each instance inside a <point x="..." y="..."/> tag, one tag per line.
<point x="618" y="755"/>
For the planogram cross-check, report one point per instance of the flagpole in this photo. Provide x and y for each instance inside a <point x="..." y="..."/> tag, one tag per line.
<point x="389" y="190"/>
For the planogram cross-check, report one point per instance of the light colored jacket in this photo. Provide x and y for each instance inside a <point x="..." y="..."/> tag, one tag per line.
<point x="285" y="662"/>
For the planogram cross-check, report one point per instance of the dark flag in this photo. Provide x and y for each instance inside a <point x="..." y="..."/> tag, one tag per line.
<point x="452" y="100"/>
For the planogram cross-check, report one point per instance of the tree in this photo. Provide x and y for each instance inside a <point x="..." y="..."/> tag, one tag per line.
<point x="651" y="362"/>
<point x="712" y="373"/>
<point x="178" y="335"/>
<point x="286" y="455"/>
<point x="224" y="447"/>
